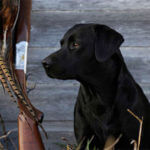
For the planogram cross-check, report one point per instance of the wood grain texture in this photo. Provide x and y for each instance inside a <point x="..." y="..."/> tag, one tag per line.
<point x="36" y="55"/>
<point x="57" y="103"/>
<point x="90" y="5"/>
<point x="50" y="20"/>
<point x="56" y="98"/>
<point x="50" y="126"/>
<point x="136" y="58"/>
<point x="49" y="27"/>
<point x="54" y="142"/>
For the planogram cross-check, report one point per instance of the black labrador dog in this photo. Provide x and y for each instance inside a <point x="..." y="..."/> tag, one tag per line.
<point x="90" y="54"/>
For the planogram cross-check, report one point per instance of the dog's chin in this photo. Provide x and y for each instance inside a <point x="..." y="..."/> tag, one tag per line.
<point x="60" y="76"/>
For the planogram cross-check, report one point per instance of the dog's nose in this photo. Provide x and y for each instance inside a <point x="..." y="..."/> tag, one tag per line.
<point x="46" y="63"/>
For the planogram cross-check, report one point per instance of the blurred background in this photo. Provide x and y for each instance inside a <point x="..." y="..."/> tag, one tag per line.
<point x="56" y="98"/>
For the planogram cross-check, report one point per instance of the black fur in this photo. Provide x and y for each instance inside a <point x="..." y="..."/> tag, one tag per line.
<point x="90" y="54"/>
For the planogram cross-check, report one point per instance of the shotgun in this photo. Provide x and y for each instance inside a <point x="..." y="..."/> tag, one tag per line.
<point x="15" y="30"/>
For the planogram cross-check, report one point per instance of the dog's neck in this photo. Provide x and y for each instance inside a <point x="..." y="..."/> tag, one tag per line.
<point x="106" y="93"/>
<point x="103" y="79"/>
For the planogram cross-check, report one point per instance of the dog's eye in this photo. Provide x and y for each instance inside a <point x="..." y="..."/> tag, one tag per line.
<point x="74" y="45"/>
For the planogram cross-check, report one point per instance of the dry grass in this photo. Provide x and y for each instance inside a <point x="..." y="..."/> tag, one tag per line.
<point x="137" y="145"/>
<point x="5" y="136"/>
<point x="112" y="142"/>
<point x="1" y="146"/>
<point x="108" y="146"/>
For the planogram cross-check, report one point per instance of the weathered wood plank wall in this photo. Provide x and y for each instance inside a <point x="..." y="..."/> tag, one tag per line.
<point x="50" y="20"/>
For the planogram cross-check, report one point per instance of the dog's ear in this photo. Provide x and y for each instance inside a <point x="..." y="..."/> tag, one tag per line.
<point x="107" y="42"/>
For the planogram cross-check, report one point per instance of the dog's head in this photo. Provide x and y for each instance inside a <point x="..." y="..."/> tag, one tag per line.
<point x="82" y="48"/>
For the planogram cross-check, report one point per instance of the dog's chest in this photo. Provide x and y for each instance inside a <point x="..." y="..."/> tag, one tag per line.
<point x="98" y="116"/>
<point x="97" y="113"/>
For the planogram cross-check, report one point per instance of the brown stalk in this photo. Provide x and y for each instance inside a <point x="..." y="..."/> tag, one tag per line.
<point x="134" y="144"/>
<point x="140" y="129"/>
<point x="7" y="134"/>
<point x="111" y="147"/>
<point x="1" y="146"/>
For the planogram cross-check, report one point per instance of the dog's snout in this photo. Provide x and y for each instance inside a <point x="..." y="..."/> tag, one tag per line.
<point x="47" y="63"/>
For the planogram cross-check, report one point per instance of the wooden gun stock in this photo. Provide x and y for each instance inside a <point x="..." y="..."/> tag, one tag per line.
<point x="29" y="136"/>
<point x="15" y="31"/>
<point x="28" y="132"/>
